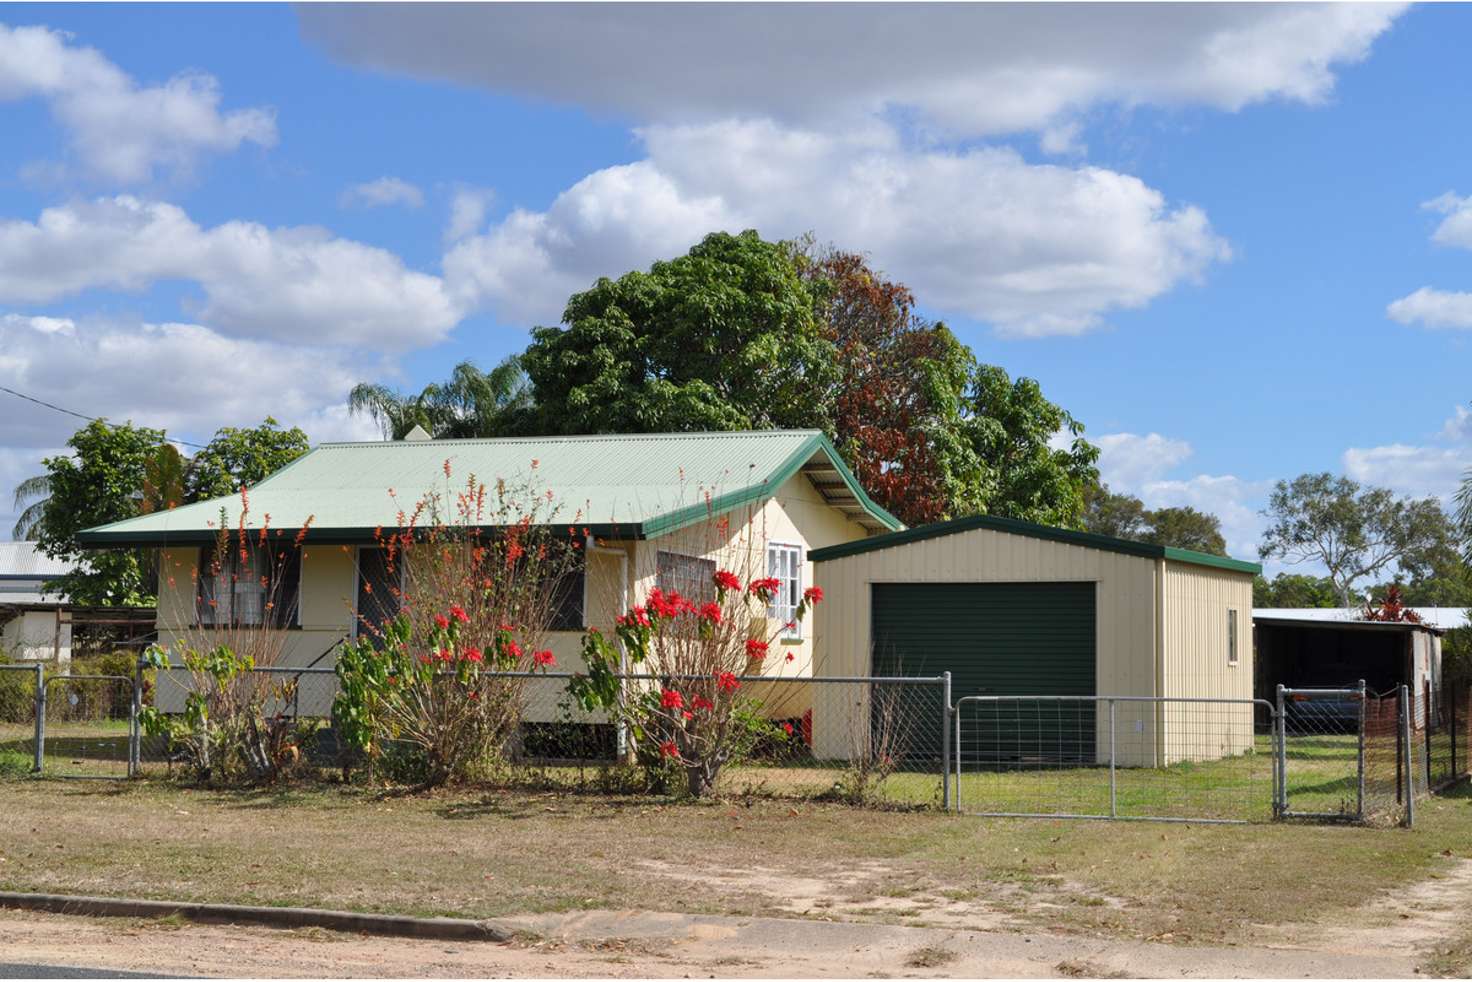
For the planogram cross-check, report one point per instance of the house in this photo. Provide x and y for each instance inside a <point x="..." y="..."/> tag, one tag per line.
<point x="35" y="621"/>
<point x="646" y="501"/>
<point x="1012" y="608"/>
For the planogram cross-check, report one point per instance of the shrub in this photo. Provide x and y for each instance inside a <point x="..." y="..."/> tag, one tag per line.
<point x="695" y="720"/>
<point x="14" y="764"/>
<point x="428" y="694"/>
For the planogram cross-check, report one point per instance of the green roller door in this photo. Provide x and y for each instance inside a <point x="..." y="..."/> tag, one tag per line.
<point x="998" y="639"/>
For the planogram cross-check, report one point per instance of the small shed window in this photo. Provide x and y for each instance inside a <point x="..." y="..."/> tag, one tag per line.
<point x="784" y="563"/>
<point x="1231" y="637"/>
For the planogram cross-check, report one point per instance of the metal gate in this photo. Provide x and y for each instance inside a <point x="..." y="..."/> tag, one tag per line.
<point x="1322" y="758"/>
<point x="1115" y="757"/>
<point x="87" y="726"/>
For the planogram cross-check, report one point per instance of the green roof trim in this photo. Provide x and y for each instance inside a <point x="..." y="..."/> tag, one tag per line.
<point x="620" y="485"/>
<point x="1015" y="527"/>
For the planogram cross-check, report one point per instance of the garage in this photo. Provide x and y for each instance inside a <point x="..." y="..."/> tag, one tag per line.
<point x="1012" y="609"/>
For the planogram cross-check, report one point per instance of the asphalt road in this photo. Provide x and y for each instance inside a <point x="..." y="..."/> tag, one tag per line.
<point x="24" y="970"/>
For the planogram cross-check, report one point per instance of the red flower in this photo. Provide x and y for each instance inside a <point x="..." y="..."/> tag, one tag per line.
<point x="787" y="727"/>
<point x="813" y="594"/>
<point x="444" y="654"/>
<point x="756" y="649"/>
<point x="458" y="612"/>
<point x="513" y="649"/>
<point x="472" y="654"/>
<point x="765" y="588"/>
<point x="441" y="621"/>
<point x="668" y="749"/>
<point x="544" y="658"/>
<point x="670" y="699"/>
<point x="711" y="612"/>
<point x="424" y="659"/>
<point x="790" y="656"/>
<point x="688" y="715"/>
<point x="727" y="681"/>
<point x="726" y="580"/>
<point x="701" y="702"/>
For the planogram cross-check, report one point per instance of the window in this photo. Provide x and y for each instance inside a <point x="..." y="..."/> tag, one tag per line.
<point x="260" y="588"/>
<point x="690" y="576"/>
<point x="784" y="563"/>
<point x="380" y="589"/>
<point x="567" y="598"/>
<point x="1231" y="637"/>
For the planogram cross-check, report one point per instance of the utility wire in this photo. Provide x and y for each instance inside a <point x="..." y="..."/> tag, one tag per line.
<point x="94" y="419"/>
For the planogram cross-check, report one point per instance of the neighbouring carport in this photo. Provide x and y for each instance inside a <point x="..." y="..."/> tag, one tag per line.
<point x="1014" y="609"/>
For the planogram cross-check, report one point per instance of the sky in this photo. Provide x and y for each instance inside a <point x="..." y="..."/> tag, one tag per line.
<point x="1234" y="241"/>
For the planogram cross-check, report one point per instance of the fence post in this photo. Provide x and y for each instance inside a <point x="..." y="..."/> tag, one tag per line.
<point x="1410" y="771"/>
<point x="1360" y="802"/>
<point x="135" y="735"/>
<point x="956" y="753"/>
<point x="1428" y="713"/>
<point x="1449" y="697"/>
<point x="40" y="760"/>
<point x="1280" y="762"/>
<point x="945" y="741"/>
<point x="1113" y="786"/>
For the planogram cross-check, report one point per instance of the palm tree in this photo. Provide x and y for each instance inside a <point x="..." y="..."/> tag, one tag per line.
<point x="31" y="496"/>
<point x="164" y="475"/>
<point x="1464" y="514"/>
<point x="471" y="403"/>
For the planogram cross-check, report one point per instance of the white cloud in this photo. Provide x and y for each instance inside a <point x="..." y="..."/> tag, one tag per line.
<point x="468" y="210"/>
<point x="1427" y="470"/>
<point x="1456" y="228"/>
<point x="382" y="193"/>
<point x="1430" y="307"/>
<point x="1235" y="501"/>
<point x="119" y="130"/>
<point x="1033" y="249"/>
<point x="196" y="379"/>
<point x="286" y="283"/>
<point x="979" y="69"/>
<point x="1128" y="460"/>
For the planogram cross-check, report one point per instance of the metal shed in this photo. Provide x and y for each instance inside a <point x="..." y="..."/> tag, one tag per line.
<point x="1011" y="608"/>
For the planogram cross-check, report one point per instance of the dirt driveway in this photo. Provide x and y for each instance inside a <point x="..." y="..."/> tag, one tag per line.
<point x="1386" y="938"/>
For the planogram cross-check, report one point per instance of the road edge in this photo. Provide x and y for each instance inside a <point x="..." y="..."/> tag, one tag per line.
<point x="394" y="925"/>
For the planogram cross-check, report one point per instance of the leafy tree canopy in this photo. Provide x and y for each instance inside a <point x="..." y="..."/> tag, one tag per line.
<point x="98" y="483"/>
<point x="1125" y="517"/>
<point x="239" y="456"/>
<point x="1353" y="531"/>
<point x="1294" y="590"/>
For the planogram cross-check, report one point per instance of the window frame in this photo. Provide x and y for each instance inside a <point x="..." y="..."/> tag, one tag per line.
<point x="204" y="560"/>
<point x="707" y="586"/>
<point x="1234" y="654"/>
<point x="773" y="611"/>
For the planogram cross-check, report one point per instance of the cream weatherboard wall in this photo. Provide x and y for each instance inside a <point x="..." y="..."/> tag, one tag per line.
<point x="1199" y="602"/>
<point x="619" y="573"/>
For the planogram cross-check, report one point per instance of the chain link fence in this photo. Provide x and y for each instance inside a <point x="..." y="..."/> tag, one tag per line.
<point x="1318" y="754"/>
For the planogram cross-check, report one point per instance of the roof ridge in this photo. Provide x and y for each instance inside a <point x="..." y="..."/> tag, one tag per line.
<point x="570" y="437"/>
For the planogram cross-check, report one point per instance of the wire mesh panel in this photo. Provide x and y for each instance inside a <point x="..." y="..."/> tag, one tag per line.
<point x="1446" y="730"/>
<point x="1323" y="752"/>
<point x="1384" y="766"/>
<point x="17" y="719"/>
<point x="1171" y="759"/>
<point x="88" y="726"/>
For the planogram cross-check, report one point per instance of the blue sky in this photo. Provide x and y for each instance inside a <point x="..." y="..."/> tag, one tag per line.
<point x="1192" y="225"/>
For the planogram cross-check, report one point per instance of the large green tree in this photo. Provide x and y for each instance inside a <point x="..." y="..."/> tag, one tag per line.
<point x="238" y="456"/>
<point x="1354" y="532"/>
<point x="99" y="482"/>
<point x="1125" y="516"/>
<point x="470" y="403"/>
<point x="1293" y="590"/>
<point x="722" y="338"/>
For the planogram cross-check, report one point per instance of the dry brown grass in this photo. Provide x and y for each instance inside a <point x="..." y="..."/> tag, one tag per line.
<point x="487" y="854"/>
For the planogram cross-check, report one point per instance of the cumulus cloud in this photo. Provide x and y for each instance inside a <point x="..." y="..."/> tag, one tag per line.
<point x="1456" y="228"/>
<point x="1129" y="460"/>
<point x="198" y="379"/>
<point x="286" y="283"/>
<point x="1433" y="469"/>
<point x="384" y="192"/>
<point x="468" y="209"/>
<point x="119" y="130"/>
<point x="1429" y="307"/>
<point x="1033" y="249"/>
<point x="975" y="70"/>
<point x="1234" y="500"/>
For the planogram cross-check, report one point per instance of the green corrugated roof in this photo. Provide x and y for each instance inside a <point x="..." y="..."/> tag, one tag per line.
<point x="630" y="485"/>
<point x="1035" y="531"/>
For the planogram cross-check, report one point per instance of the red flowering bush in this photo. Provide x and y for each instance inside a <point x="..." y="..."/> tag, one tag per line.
<point x="426" y="696"/>
<point x="699" y="717"/>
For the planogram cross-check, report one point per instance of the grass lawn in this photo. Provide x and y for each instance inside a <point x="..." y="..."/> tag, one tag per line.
<point x="496" y="853"/>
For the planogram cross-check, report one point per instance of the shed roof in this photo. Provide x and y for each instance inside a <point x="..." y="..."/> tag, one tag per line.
<point x="26" y="560"/>
<point x="625" y="485"/>
<point x="1015" y="527"/>
<point x="1439" y="619"/>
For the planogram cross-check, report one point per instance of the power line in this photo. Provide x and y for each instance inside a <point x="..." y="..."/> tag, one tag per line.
<point x="70" y="412"/>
